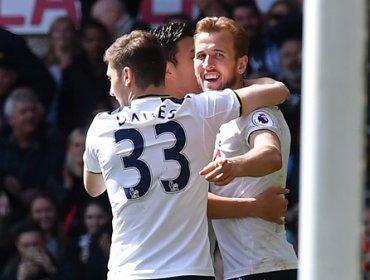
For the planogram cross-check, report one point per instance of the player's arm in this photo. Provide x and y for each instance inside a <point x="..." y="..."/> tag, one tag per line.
<point x="94" y="183"/>
<point x="269" y="205"/>
<point x="261" y="92"/>
<point x="263" y="158"/>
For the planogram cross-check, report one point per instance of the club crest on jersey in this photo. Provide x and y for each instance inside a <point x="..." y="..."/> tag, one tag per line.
<point x="174" y="187"/>
<point x="261" y="118"/>
<point x="131" y="193"/>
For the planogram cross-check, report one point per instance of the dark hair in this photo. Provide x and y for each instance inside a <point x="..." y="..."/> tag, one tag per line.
<point x="247" y="4"/>
<point x="49" y="196"/>
<point x="169" y="34"/>
<point x="25" y="226"/>
<point x="5" y="62"/>
<point x="179" y="17"/>
<point x="142" y="52"/>
<point x="94" y="24"/>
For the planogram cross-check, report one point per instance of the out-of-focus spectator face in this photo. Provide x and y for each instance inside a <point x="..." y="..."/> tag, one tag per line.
<point x="276" y="13"/>
<point x="63" y="34"/>
<point x="108" y="12"/>
<point x="94" y="42"/>
<point x="291" y="54"/>
<point x="26" y="117"/>
<point x="27" y="240"/>
<point x="203" y="4"/>
<point x="95" y="218"/>
<point x="76" y="146"/>
<point x="248" y="18"/>
<point x="291" y="63"/>
<point x="7" y="80"/>
<point x="43" y="211"/>
<point x="214" y="8"/>
<point x="5" y="207"/>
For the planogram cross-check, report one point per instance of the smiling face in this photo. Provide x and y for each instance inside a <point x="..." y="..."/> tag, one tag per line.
<point x="95" y="218"/>
<point x="44" y="213"/>
<point x="215" y="63"/>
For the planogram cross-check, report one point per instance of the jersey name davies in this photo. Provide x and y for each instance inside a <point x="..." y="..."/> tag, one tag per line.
<point x="162" y="113"/>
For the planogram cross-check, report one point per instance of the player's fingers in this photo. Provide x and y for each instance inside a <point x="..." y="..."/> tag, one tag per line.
<point x="217" y="172"/>
<point x="224" y="181"/>
<point x="208" y="168"/>
<point x="215" y="175"/>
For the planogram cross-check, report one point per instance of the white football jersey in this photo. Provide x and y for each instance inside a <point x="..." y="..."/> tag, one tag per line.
<point x="150" y="154"/>
<point x="252" y="245"/>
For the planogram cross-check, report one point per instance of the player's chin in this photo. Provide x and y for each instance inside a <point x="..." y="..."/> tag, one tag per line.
<point x="212" y="85"/>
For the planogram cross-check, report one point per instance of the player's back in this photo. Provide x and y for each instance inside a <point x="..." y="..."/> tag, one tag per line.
<point x="150" y="154"/>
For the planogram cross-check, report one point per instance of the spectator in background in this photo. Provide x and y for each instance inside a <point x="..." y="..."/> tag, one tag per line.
<point x="85" y="85"/>
<point x="116" y="18"/>
<point x="210" y="8"/>
<point x="44" y="211"/>
<point x="278" y="10"/>
<point x="179" y="17"/>
<point x="8" y="79"/>
<point x="9" y="216"/>
<point x="72" y="180"/>
<point x="91" y="248"/>
<point x="76" y="196"/>
<point x="291" y="63"/>
<point x="31" y="155"/>
<point x="132" y="7"/>
<point x="290" y="74"/>
<point x="31" y="71"/>
<point x="283" y="20"/>
<point x="63" y="47"/>
<point x="31" y="260"/>
<point x="263" y="56"/>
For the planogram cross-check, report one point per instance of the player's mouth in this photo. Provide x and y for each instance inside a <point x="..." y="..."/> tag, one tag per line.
<point x="211" y="77"/>
<point x="210" y="80"/>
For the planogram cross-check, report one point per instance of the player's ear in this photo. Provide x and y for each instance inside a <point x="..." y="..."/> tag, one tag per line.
<point x="128" y="76"/>
<point x="170" y="69"/>
<point x="242" y="64"/>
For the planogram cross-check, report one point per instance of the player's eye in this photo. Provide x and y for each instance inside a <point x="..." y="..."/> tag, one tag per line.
<point x="200" y="56"/>
<point x="219" y="55"/>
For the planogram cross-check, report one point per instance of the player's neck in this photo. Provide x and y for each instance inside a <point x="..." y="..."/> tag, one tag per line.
<point x="239" y="83"/>
<point x="153" y="90"/>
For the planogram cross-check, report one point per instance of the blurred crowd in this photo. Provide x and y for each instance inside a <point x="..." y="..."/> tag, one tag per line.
<point x="49" y="227"/>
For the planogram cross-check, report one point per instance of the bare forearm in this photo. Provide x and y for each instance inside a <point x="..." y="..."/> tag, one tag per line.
<point x="269" y="205"/>
<point x="229" y="207"/>
<point x="257" y="162"/>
